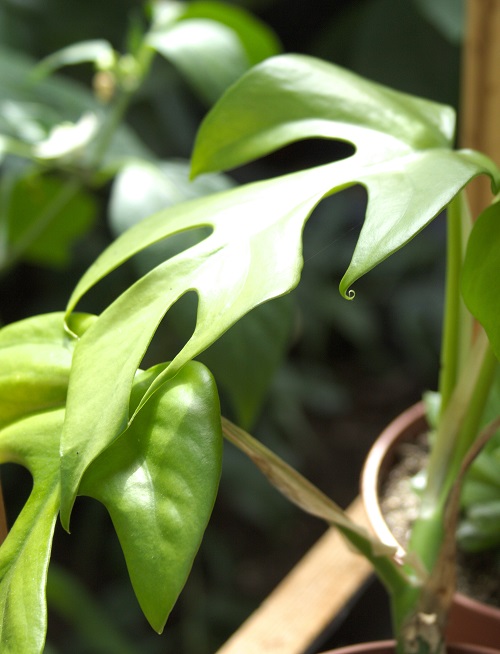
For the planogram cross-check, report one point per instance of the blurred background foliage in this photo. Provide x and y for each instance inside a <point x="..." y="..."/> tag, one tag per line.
<point x="325" y="381"/>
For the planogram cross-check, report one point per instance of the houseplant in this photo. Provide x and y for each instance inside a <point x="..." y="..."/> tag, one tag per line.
<point x="110" y="435"/>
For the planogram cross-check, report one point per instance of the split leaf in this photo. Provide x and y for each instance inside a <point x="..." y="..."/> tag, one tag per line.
<point x="254" y="250"/>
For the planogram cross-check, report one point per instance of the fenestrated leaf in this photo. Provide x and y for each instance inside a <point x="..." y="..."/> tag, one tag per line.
<point x="159" y="482"/>
<point x="254" y="252"/>
<point x="35" y="358"/>
<point x="292" y="97"/>
<point x="240" y="265"/>
<point x="25" y="554"/>
<point x="246" y="357"/>
<point x="481" y="271"/>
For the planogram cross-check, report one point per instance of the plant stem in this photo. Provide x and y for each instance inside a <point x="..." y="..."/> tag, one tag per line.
<point x="457" y="320"/>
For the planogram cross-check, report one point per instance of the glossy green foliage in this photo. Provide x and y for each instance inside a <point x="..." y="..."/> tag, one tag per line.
<point x="481" y="270"/>
<point x="158" y="481"/>
<point x="245" y="359"/>
<point x="253" y="253"/>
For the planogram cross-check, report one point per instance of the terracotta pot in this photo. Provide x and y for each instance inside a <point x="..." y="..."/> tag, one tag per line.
<point x="387" y="647"/>
<point x="470" y="621"/>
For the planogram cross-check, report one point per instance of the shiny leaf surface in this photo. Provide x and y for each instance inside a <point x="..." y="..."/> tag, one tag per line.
<point x="159" y="481"/>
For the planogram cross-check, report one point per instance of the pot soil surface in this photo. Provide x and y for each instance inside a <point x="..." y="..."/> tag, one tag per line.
<point x="400" y="503"/>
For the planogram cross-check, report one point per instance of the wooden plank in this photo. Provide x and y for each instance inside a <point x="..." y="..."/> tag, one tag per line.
<point x="480" y="102"/>
<point x="306" y="601"/>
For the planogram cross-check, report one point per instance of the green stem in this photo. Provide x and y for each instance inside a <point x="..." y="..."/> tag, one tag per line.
<point x="457" y="323"/>
<point x="459" y="424"/>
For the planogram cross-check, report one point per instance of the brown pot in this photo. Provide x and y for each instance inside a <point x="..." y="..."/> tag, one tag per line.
<point x="470" y="621"/>
<point x="387" y="647"/>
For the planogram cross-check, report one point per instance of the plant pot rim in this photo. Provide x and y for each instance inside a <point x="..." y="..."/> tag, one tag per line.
<point x="410" y="423"/>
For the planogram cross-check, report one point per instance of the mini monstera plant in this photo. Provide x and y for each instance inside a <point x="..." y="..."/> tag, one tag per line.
<point x="147" y="443"/>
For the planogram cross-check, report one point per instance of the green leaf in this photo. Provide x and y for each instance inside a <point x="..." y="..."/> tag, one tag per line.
<point x="292" y="97"/>
<point x="159" y="483"/>
<point x="246" y="357"/>
<point x="480" y="272"/>
<point x="264" y="258"/>
<point x="35" y="359"/>
<point x="24" y="555"/>
<point x="46" y="217"/>
<point x="99" y="52"/>
<point x="142" y="188"/>
<point x="254" y="251"/>
<point x="257" y="38"/>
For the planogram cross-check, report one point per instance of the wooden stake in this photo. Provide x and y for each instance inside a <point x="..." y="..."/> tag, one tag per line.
<point x="480" y="102"/>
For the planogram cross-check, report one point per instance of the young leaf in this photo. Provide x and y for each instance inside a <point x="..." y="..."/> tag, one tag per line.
<point x="159" y="483"/>
<point x="480" y="272"/>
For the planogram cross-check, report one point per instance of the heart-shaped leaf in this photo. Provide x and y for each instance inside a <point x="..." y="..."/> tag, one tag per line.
<point x="159" y="482"/>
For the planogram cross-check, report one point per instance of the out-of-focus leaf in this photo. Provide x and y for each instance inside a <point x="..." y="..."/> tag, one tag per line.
<point x="256" y="37"/>
<point x="447" y="16"/>
<point x="208" y="54"/>
<point x="245" y="358"/>
<point x="159" y="483"/>
<point x="211" y="43"/>
<point x="56" y="100"/>
<point x="46" y="217"/>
